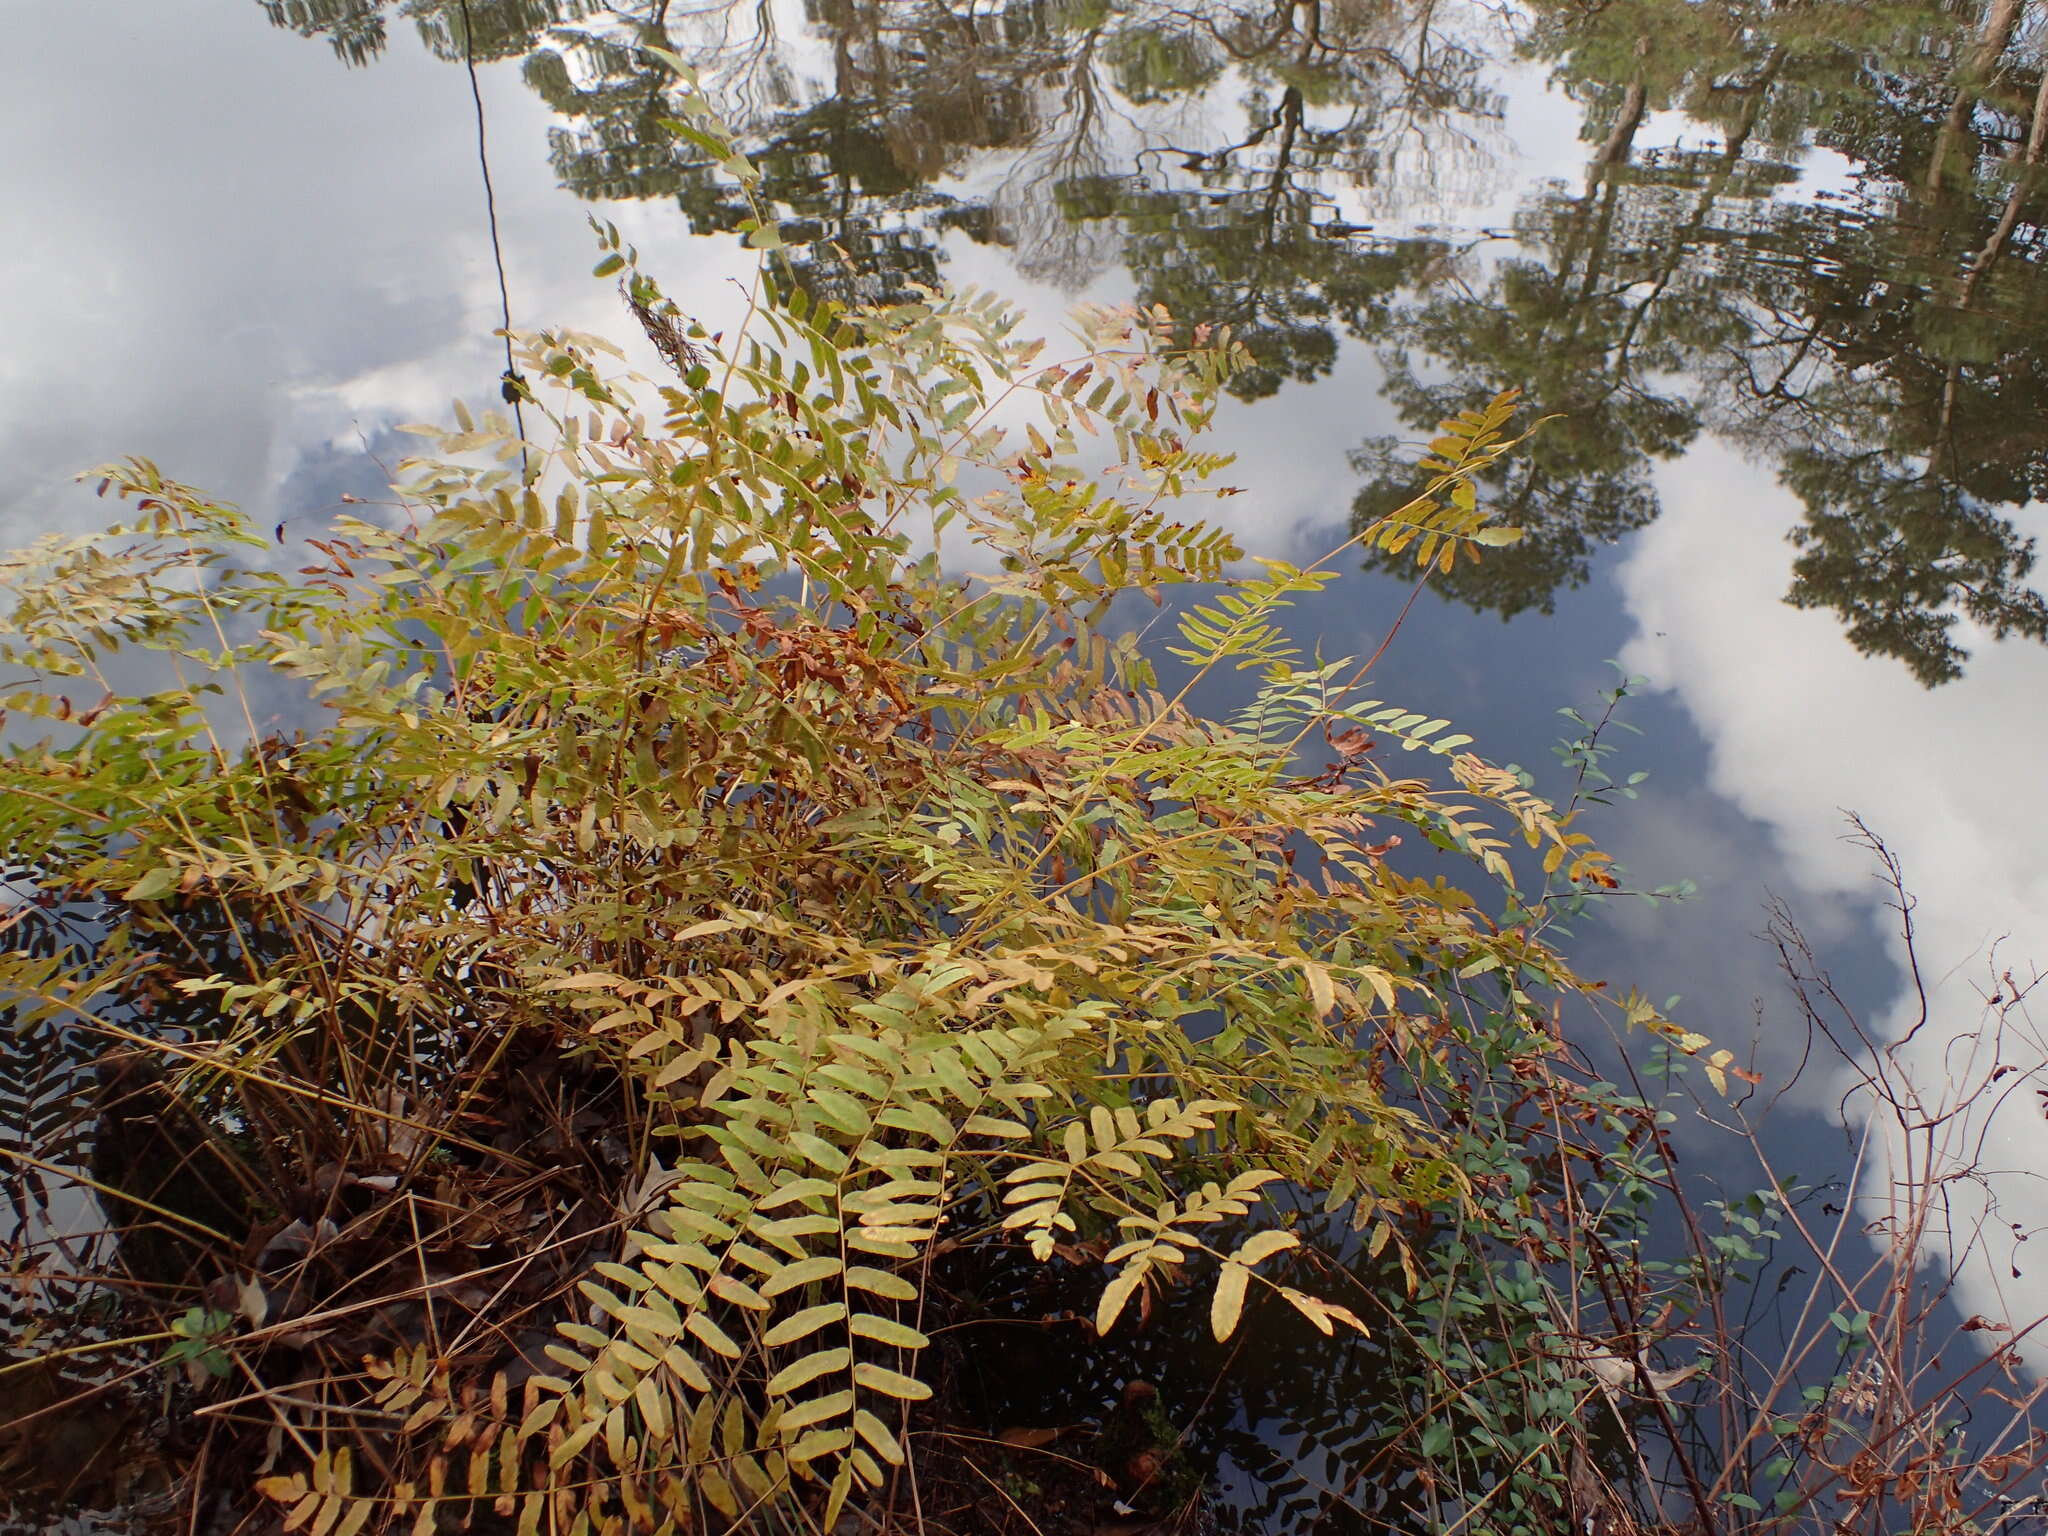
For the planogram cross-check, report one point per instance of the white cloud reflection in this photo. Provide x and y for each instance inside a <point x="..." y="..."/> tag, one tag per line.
<point x="1800" y="730"/>
<point x="228" y="251"/>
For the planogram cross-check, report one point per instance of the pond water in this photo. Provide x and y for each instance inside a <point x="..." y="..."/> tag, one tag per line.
<point x="1781" y="275"/>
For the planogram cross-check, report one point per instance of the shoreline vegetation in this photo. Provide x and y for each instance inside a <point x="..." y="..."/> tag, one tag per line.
<point x="745" y="980"/>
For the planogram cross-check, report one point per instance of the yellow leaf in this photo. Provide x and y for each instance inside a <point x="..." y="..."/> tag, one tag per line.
<point x="1114" y="1296"/>
<point x="804" y="1272"/>
<point x="1227" y="1305"/>
<point x="818" y="1409"/>
<point x="878" y="1435"/>
<point x="879" y="1379"/>
<point x="819" y="1442"/>
<point x="718" y="1492"/>
<point x="1321" y="990"/>
<point x="886" y="1330"/>
<point x="803" y="1324"/>
<point x="835" y="1500"/>
<point x="1263" y="1245"/>
<point x="584" y="981"/>
<point x="1381" y="983"/>
<point x="708" y="927"/>
<point x="738" y="1292"/>
<point x="802" y="1372"/>
<point x="880" y="1282"/>
<point x="713" y="1337"/>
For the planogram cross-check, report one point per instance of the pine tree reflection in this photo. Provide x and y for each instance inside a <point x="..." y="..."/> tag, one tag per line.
<point x="1881" y="344"/>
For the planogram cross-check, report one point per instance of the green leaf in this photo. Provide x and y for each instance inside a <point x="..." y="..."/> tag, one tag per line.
<point x="154" y="886"/>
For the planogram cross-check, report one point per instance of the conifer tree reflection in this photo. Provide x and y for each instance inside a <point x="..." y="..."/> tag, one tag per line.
<point x="1879" y="345"/>
<point x="1896" y="373"/>
<point x="1381" y="106"/>
<point x="1597" y="317"/>
<point x="1883" y="347"/>
<point x="1069" y="122"/>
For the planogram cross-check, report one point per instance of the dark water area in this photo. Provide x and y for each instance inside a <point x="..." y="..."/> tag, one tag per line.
<point x="1778" y="273"/>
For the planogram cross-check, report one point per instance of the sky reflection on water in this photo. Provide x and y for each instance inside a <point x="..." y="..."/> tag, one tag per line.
<point x="234" y="255"/>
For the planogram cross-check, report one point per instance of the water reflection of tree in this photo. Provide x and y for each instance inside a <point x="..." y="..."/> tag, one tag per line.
<point x="1346" y="109"/>
<point x="1064" y="130"/>
<point x="1883" y="347"/>
<point x="848" y="159"/>
<point x="1898" y="374"/>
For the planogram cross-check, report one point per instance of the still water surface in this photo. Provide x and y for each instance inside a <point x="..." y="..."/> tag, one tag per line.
<point x="1782" y="274"/>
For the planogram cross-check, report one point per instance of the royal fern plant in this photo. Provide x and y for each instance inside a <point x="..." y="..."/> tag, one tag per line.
<point x="771" y="737"/>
